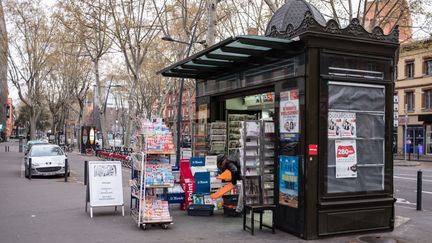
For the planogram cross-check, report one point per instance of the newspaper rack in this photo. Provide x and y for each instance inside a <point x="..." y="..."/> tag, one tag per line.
<point x="140" y="190"/>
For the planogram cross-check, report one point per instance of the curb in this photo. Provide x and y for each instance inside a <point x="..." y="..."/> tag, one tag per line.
<point x="406" y="164"/>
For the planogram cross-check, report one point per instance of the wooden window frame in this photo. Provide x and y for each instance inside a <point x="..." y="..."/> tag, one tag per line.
<point x="409" y="62"/>
<point x="406" y="100"/>
<point x="425" y="60"/>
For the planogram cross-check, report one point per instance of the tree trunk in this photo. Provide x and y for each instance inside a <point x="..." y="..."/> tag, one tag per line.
<point x="127" y="134"/>
<point x="81" y="111"/>
<point x="32" y="123"/>
<point x="102" y="105"/>
<point x="211" y="31"/>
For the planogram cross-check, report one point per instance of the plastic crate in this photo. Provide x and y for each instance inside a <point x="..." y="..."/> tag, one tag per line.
<point x="230" y="199"/>
<point x="200" y="210"/>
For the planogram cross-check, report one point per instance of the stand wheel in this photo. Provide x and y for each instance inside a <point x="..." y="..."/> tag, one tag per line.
<point x="164" y="226"/>
<point x="143" y="227"/>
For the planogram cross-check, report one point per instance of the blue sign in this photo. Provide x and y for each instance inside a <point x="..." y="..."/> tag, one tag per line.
<point x="176" y="197"/>
<point x="175" y="168"/>
<point x="202" y="182"/>
<point x="194" y="161"/>
<point x="289" y="137"/>
<point x="288" y="180"/>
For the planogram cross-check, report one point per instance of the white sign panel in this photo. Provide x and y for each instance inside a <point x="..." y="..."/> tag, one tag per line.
<point x="211" y="161"/>
<point x="105" y="181"/>
<point x="289" y="112"/>
<point x="346" y="158"/>
<point x="342" y="125"/>
<point x="186" y="153"/>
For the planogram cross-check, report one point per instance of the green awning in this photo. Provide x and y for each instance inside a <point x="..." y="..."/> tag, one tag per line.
<point x="233" y="55"/>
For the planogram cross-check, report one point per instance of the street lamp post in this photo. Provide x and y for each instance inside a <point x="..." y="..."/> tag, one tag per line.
<point x="179" y="108"/>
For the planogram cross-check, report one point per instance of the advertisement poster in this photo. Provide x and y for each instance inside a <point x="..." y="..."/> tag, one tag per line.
<point x="288" y="181"/>
<point x="105" y="181"/>
<point x="202" y="119"/>
<point x="346" y="158"/>
<point x="289" y="116"/>
<point x="341" y="125"/>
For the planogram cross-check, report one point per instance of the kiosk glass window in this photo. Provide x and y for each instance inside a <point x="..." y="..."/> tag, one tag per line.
<point x="356" y="126"/>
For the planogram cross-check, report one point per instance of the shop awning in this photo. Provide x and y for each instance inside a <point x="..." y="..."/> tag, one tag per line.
<point x="233" y="55"/>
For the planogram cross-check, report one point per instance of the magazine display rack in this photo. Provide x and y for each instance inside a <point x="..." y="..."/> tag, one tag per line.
<point x="217" y="137"/>
<point x="151" y="178"/>
<point x="267" y="158"/>
<point x="250" y="159"/>
<point x="257" y="159"/>
<point x="234" y="129"/>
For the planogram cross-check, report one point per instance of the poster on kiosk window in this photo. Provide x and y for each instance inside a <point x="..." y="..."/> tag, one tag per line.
<point x="346" y="158"/>
<point x="342" y="125"/>
<point x="289" y="116"/>
<point x="288" y="180"/>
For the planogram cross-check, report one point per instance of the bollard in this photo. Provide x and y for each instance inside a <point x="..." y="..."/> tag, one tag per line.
<point x="5" y="148"/>
<point x="20" y="145"/>
<point x="30" y="168"/>
<point x="419" y="190"/>
<point x="66" y="170"/>
<point x="409" y="155"/>
<point x="8" y="149"/>
<point x="85" y="172"/>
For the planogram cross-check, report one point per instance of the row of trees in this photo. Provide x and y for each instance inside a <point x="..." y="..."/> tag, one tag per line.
<point x="56" y="55"/>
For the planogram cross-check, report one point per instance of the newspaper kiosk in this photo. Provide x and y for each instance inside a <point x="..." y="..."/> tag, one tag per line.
<point x="329" y="91"/>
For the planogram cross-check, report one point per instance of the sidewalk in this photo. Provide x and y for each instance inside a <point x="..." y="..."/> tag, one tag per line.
<point x="50" y="210"/>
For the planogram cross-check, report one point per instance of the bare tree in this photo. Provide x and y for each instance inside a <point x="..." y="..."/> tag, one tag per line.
<point x="30" y="38"/>
<point x="70" y="79"/>
<point x="92" y="19"/>
<point x="134" y="30"/>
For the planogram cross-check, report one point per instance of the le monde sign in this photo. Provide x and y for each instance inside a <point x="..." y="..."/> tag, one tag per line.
<point x="105" y="185"/>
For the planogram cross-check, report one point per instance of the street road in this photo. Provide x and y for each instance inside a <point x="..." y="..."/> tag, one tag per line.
<point x="405" y="185"/>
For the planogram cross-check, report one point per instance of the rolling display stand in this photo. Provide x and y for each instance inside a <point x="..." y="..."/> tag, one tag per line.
<point x="151" y="178"/>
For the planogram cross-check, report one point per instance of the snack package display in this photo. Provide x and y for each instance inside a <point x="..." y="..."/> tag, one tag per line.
<point x="155" y="209"/>
<point x="159" y="174"/>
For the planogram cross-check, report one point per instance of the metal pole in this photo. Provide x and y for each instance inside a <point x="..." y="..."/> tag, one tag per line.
<point x="419" y="190"/>
<point x="179" y="108"/>
<point x="30" y="168"/>
<point x="406" y="132"/>
<point x="66" y="169"/>
<point x="85" y="172"/>
<point x="20" y="144"/>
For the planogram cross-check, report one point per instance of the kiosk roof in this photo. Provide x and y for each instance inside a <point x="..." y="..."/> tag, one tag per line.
<point x="233" y="55"/>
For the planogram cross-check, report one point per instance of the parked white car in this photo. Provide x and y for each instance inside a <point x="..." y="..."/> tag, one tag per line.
<point x="46" y="159"/>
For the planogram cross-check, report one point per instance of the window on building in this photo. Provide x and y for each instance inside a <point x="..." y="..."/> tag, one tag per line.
<point x="427" y="65"/>
<point x="427" y="99"/>
<point x="409" y="70"/>
<point x="409" y="100"/>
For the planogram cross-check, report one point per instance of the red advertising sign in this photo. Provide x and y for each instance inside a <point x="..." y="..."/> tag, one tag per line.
<point x="344" y="151"/>
<point x="187" y="182"/>
<point x="313" y="149"/>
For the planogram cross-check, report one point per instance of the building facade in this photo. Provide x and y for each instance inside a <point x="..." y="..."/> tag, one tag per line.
<point x="188" y="111"/>
<point x="390" y="13"/>
<point x="414" y="93"/>
<point x="3" y="74"/>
